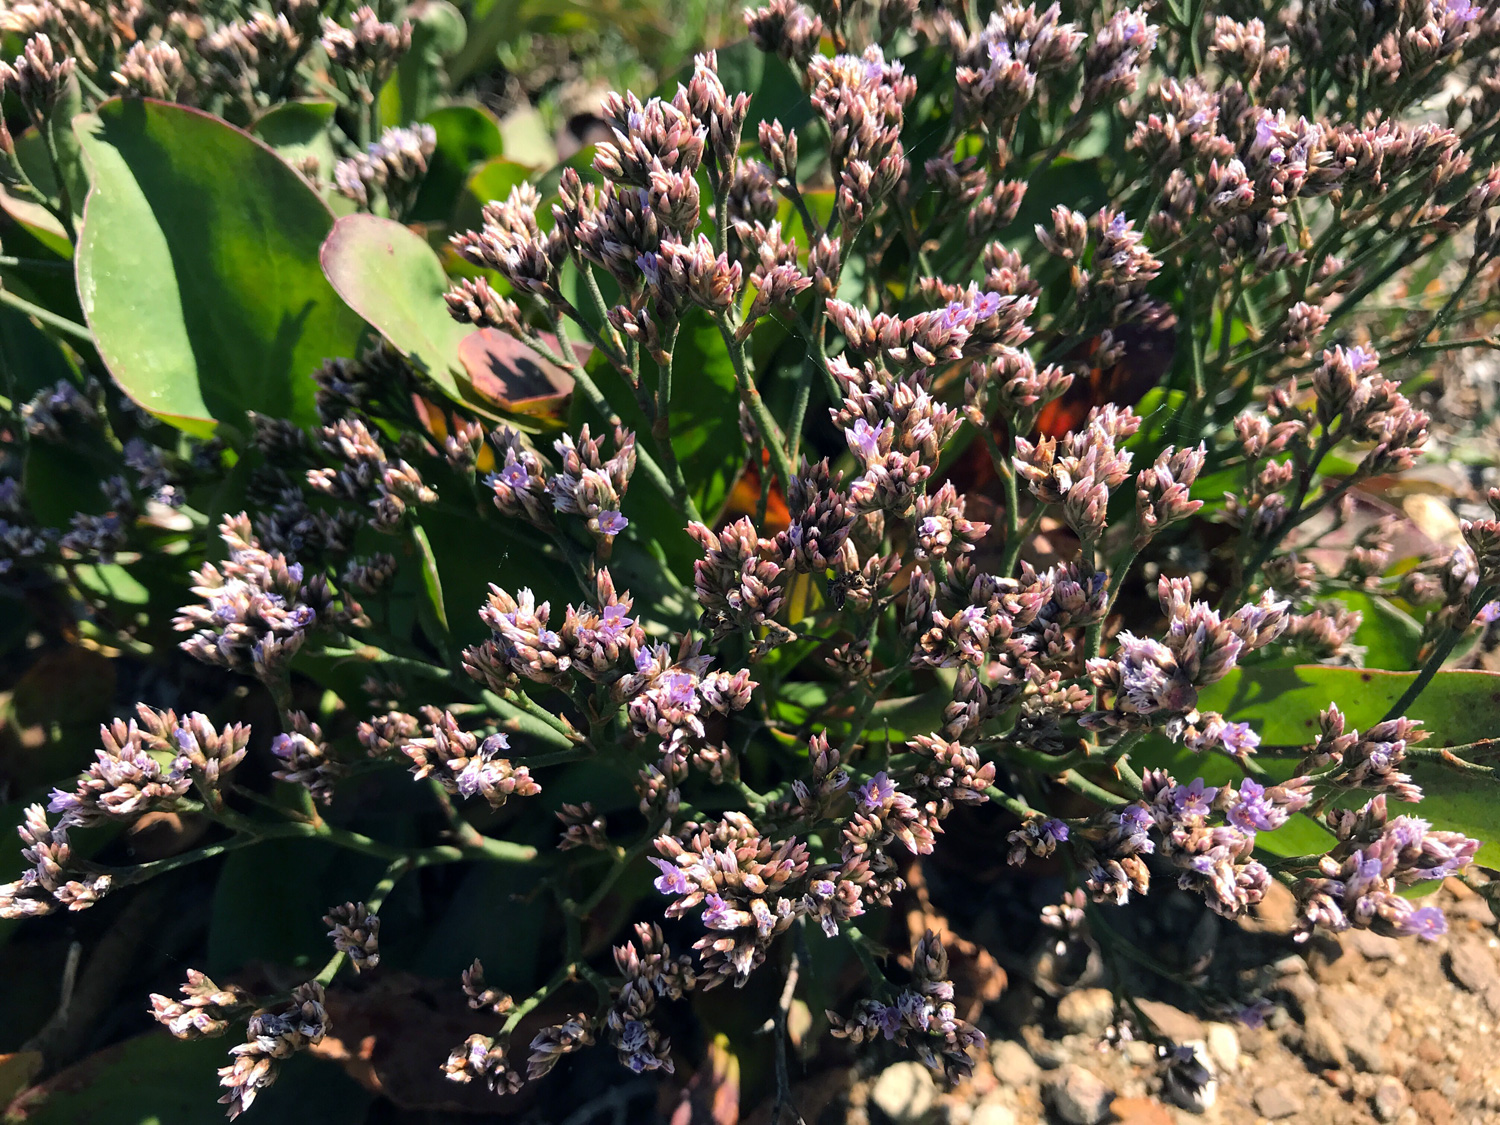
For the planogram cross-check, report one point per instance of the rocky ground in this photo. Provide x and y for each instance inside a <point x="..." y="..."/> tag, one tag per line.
<point x="1362" y="1029"/>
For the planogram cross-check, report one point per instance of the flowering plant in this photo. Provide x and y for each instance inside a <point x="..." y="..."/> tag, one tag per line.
<point x="914" y="414"/>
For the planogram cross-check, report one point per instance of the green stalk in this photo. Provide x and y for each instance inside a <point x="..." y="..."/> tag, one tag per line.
<point x="50" y="319"/>
<point x="750" y="395"/>
<point x="373" y="902"/>
<point x="1481" y="597"/>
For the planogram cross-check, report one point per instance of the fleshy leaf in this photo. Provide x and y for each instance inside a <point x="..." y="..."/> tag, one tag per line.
<point x="198" y="268"/>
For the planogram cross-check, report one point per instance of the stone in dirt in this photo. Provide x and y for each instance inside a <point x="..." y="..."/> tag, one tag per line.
<point x="1389" y="1099"/>
<point x="1322" y="1044"/>
<point x="1140" y="1111"/>
<point x="1175" y="1024"/>
<point x="1371" y="946"/>
<point x="993" y="1113"/>
<point x="1275" y="914"/>
<point x="1364" y="1024"/>
<point x="1473" y="966"/>
<point x="1275" y="1103"/>
<point x="1433" y="1108"/>
<point x="904" y="1094"/>
<point x="1013" y="1064"/>
<point x="1086" y="1011"/>
<point x="1224" y="1047"/>
<point x="1078" y="1096"/>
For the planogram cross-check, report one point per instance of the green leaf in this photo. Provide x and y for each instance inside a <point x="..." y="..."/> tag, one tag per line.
<point x="1458" y="707"/>
<point x="70" y="165"/>
<point x="298" y="130"/>
<point x="42" y="224"/>
<point x="1389" y="637"/>
<point x="492" y="180"/>
<point x="466" y="136"/>
<point x="302" y="878"/>
<point x="438" y="32"/>
<point x="152" y="1079"/>
<point x="30" y="356"/>
<point x="527" y="138"/>
<point x="705" y="413"/>
<point x="198" y="268"/>
<point x="432" y="583"/>
<point x="391" y="277"/>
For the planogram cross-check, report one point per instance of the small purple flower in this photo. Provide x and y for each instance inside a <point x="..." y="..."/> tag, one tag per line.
<point x="1238" y="738"/>
<point x="1253" y="812"/>
<point x="1135" y="827"/>
<point x="672" y="880"/>
<point x="471" y="778"/>
<point x="932" y="526"/>
<point x="876" y="793"/>
<point x="1265" y="133"/>
<point x="680" y="688"/>
<point x="61" y="802"/>
<point x="716" y="914"/>
<point x="650" y="265"/>
<point x="889" y="1021"/>
<point x="1194" y="799"/>
<point x="613" y="624"/>
<point x="864" y="439"/>
<point x="612" y="523"/>
<point x="1487" y="613"/>
<point x="1425" y="922"/>
<point x="1054" y="830"/>
<point x="515" y="476"/>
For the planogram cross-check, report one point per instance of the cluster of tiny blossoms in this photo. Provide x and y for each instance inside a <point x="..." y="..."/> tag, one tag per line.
<point x="938" y="599"/>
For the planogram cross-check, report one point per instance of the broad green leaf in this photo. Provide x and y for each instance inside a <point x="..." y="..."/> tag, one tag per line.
<point x="298" y="130"/>
<point x="466" y="136"/>
<point x="391" y="277"/>
<point x="29" y="356"/>
<point x="198" y="268"/>
<point x="1458" y="707"/>
<point x="1389" y="636"/>
<point x="302" y="878"/>
<point x="492" y="180"/>
<point x="705" y="413"/>
<point x="152" y="1079"/>
<point x="527" y="139"/>
<point x="42" y="224"/>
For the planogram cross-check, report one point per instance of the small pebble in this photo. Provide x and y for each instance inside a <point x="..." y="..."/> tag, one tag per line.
<point x="1224" y="1047"/>
<point x="1390" y="1099"/>
<point x="1013" y="1064"/>
<point x="1079" y="1096"/>
<point x="993" y="1113"/>
<point x="1275" y="1103"/>
<point x="1086" y="1011"/>
<point x="904" y="1094"/>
